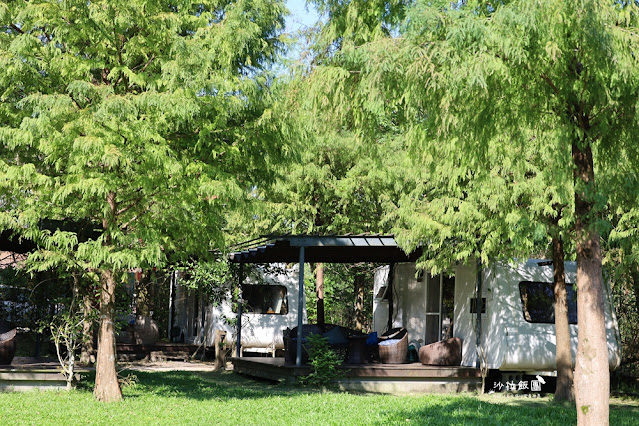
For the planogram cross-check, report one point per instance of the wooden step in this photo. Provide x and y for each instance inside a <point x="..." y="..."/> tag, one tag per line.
<point x="27" y="374"/>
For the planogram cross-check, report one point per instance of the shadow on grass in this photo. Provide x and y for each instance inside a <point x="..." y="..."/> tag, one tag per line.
<point x="512" y="411"/>
<point x="204" y="385"/>
<point x="424" y="409"/>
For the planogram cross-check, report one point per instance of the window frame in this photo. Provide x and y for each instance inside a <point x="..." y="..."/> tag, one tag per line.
<point x="247" y="307"/>
<point x="570" y="295"/>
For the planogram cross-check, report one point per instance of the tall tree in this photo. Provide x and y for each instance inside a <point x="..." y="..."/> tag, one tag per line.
<point x="559" y="78"/>
<point x="340" y="182"/>
<point x="147" y="119"/>
<point x="564" y="390"/>
<point x="561" y="68"/>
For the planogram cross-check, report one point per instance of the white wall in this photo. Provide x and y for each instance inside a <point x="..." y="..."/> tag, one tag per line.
<point x="258" y="330"/>
<point x="508" y="341"/>
<point x="464" y="323"/>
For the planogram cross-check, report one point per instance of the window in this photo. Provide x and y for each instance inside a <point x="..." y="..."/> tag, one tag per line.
<point x="538" y="302"/>
<point x="473" y="305"/>
<point x="265" y="299"/>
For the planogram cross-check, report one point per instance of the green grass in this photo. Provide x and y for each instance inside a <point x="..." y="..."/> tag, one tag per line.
<point x="225" y="398"/>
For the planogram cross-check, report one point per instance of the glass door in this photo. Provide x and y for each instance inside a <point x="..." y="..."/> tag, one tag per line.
<point x="433" y="309"/>
<point x="440" y="292"/>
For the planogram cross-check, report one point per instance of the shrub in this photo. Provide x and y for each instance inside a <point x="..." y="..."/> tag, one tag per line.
<point x="323" y="360"/>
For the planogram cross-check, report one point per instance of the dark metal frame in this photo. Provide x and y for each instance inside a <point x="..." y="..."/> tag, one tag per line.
<point x="313" y="248"/>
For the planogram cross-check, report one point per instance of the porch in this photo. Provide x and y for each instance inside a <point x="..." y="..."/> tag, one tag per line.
<point x="409" y="378"/>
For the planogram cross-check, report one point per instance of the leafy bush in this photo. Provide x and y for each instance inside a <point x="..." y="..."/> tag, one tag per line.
<point x="324" y="361"/>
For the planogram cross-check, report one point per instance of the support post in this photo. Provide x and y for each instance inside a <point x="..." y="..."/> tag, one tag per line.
<point x="300" y="301"/>
<point x="478" y="308"/>
<point x="171" y="302"/>
<point x="239" y="311"/>
<point x="203" y="322"/>
<point x="389" y="290"/>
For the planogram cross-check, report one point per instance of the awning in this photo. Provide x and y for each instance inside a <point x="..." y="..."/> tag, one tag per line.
<point x="323" y="248"/>
<point x="315" y="248"/>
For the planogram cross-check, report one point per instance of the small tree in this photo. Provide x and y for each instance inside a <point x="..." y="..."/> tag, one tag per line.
<point x="66" y="333"/>
<point x="324" y="361"/>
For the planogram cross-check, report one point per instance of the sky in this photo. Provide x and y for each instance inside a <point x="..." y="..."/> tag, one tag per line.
<point x="300" y="17"/>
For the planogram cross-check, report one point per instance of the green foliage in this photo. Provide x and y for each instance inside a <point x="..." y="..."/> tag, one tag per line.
<point x="214" y="278"/>
<point x="489" y="147"/>
<point x="340" y="180"/>
<point x="355" y="22"/>
<point x="339" y="294"/>
<point x="149" y="131"/>
<point x="324" y="361"/>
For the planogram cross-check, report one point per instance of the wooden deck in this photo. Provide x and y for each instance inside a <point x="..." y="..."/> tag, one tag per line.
<point x="31" y="373"/>
<point x="408" y="378"/>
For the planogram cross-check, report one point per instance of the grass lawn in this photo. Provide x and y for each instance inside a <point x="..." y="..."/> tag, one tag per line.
<point x="226" y="398"/>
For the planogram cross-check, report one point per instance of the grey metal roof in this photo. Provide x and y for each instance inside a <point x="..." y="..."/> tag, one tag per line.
<point x="323" y="248"/>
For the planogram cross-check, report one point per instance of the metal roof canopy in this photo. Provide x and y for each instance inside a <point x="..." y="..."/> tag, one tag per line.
<point x="325" y="248"/>
<point x="312" y="248"/>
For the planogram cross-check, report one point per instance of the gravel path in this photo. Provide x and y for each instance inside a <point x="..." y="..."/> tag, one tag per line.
<point x="169" y="366"/>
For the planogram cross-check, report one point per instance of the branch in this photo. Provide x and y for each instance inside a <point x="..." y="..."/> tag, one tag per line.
<point x="145" y="65"/>
<point x="550" y="83"/>
<point x="44" y="31"/>
<point x="56" y="341"/>
<point x="74" y="101"/>
<point x="134" y="202"/>
<point x="15" y="28"/>
<point x="625" y="30"/>
<point x="136" y="217"/>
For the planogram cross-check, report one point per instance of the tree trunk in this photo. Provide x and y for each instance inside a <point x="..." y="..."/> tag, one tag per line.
<point x="635" y="284"/>
<point x="359" y="301"/>
<point x="107" y="388"/>
<point x="220" y="349"/>
<point x="142" y="292"/>
<point x="86" y="349"/>
<point x="564" y="390"/>
<point x="319" y="290"/>
<point x="592" y="376"/>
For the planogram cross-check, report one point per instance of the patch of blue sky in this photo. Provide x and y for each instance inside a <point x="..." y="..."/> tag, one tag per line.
<point x="302" y="18"/>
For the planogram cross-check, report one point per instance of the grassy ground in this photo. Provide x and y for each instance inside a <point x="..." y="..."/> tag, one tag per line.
<point x="225" y="398"/>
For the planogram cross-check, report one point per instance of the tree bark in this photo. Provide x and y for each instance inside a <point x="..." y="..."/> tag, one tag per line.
<point x="107" y="388"/>
<point x="319" y="290"/>
<point x="635" y="284"/>
<point x="142" y="292"/>
<point x="359" y="301"/>
<point x="592" y="376"/>
<point x="87" y="350"/>
<point x="564" y="390"/>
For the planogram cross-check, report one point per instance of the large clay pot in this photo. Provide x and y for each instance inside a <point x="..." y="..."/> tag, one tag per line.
<point x="146" y="331"/>
<point x="8" y="333"/>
